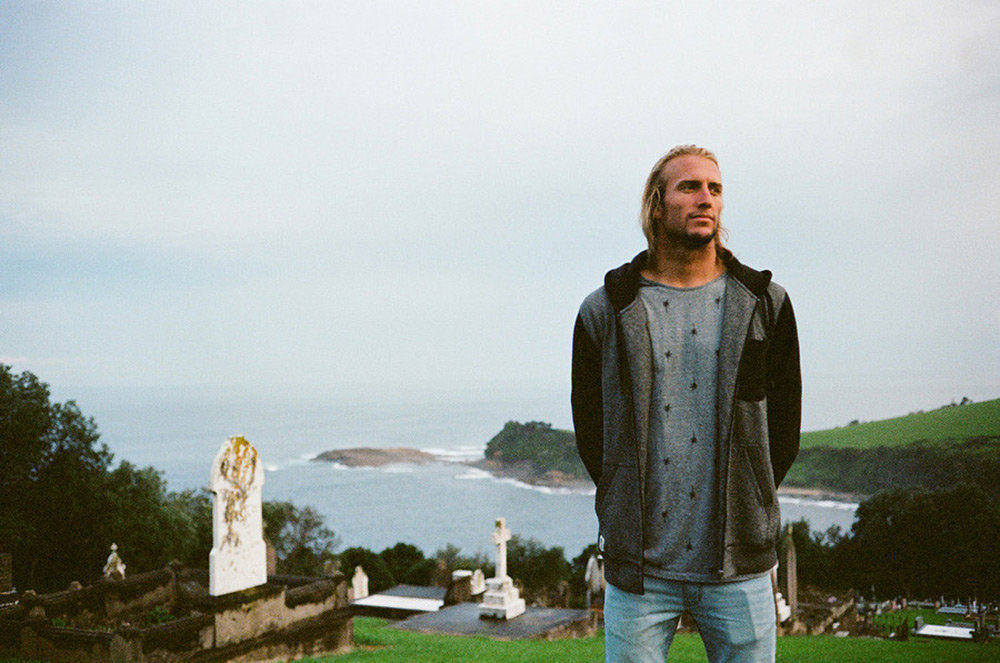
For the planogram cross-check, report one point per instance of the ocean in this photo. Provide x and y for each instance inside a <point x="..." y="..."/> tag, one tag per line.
<point x="179" y="431"/>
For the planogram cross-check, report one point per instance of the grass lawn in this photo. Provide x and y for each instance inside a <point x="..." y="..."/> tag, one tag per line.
<point x="948" y="423"/>
<point x="379" y="643"/>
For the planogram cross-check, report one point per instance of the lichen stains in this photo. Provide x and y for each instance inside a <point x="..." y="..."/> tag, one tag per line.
<point x="238" y="467"/>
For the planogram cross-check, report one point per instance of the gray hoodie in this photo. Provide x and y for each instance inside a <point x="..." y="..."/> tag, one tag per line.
<point x="759" y="408"/>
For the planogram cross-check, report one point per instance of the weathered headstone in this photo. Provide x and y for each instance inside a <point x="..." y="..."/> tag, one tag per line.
<point x="791" y="576"/>
<point x="594" y="578"/>
<point x="272" y="557"/>
<point x="501" y="600"/>
<point x="239" y="557"/>
<point x="114" y="568"/>
<point x="6" y="573"/>
<point x="359" y="584"/>
<point x="781" y="609"/>
<point x="478" y="582"/>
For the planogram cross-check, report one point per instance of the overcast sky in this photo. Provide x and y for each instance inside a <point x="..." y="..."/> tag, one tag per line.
<point x="413" y="198"/>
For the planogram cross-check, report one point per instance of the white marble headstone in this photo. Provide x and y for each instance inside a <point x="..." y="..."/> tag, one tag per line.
<point x="359" y="584"/>
<point x="239" y="556"/>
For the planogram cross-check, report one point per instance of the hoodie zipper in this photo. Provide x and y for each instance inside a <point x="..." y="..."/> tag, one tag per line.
<point x="724" y="483"/>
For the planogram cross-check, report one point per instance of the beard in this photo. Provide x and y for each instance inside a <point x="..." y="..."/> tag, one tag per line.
<point x="688" y="240"/>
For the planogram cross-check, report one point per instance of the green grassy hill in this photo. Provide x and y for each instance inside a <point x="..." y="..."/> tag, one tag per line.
<point x="947" y="423"/>
<point x="929" y="450"/>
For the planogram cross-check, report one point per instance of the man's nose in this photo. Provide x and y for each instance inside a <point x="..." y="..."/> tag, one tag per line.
<point x="704" y="197"/>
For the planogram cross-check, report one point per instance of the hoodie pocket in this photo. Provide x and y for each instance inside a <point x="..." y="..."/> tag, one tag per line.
<point x="619" y="512"/>
<point x="754" y="507"/>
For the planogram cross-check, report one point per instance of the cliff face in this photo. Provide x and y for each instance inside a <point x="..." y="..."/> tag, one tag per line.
<point x="369" y="457"/>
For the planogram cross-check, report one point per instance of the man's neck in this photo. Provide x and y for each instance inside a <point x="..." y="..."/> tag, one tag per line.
<point x="683" y="267"/>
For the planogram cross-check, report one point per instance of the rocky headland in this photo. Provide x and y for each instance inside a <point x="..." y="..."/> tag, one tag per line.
<point x="372" y="457"/>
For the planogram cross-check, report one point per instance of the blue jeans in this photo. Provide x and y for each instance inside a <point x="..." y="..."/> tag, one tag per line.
<point x="736" y="620"/>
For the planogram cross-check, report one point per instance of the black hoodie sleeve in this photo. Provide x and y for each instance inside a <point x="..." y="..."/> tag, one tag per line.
<point x="784" y="392"/>
<point x="587" y="400"/>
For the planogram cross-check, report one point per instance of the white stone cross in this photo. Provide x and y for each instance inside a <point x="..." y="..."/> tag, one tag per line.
<point x="239" y="556"/>
<point x="501" y="535"/>
<point x="501" y="599"/>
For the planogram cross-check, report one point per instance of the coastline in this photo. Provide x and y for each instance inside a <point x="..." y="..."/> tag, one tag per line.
<point x="817" y="494"/>
<point x="527" y="473"/>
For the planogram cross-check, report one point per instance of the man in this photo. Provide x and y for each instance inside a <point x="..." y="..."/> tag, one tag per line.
<point x="686" y="404"/>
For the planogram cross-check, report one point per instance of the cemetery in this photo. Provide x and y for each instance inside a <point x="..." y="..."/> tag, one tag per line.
<point x="240" y="608"/>
<point x="234" y="611"/>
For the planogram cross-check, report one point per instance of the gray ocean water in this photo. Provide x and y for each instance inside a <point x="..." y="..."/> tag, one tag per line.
<point x="179" y="431"/>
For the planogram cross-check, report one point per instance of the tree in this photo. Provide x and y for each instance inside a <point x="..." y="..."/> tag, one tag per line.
<point x="403" y="557"/>
<point x="816" y="556"/>
<point x="148" y="528"/>
<point x="453" y="559"/>
<point x="541" y="570"/>
<point x="924" y="544"/>
<point x="379" y="576"/>
<point x="302" y="542"/>
<point x="52" y="491"/>
<point x="194" y="508"/>
<point x="62" y="504"/>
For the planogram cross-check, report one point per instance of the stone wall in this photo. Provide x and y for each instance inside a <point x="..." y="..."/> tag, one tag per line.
<point x="105" y="622"/>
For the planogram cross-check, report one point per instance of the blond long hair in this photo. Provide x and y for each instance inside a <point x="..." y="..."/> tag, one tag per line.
<point x="652" y="193"/>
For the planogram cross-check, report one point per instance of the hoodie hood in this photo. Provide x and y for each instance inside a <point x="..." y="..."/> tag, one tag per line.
<point x="622" y="283"/>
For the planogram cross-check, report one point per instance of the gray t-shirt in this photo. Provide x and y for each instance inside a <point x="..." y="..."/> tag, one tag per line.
<point x="685" y="326"/>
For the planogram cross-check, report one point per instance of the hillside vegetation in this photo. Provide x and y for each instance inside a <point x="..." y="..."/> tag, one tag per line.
<point x="929" y="450"/>
<point x="953" y="422"/>
<point x="541" y="451"/>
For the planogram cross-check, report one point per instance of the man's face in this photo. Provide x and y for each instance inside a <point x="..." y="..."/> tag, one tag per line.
<point x="692" y="201"/>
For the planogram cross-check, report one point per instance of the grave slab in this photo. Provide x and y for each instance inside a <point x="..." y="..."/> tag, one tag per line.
<point x="401" y="601"/>
<point x="534" y="623"/>
<point x="947" y="632"/>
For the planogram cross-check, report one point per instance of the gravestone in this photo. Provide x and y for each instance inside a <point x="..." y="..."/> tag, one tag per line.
<point x="6" y="573"/>
<point x="790" y="573"/>
<point x="272" y="557"/>
<point x="478" y="582"/>
<point x="114" y="568"/>
<point x="501" y="600"/>
<point x="239" y="557"/>
<point x="594" y="578"/>
<point x="359" y="584"/>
